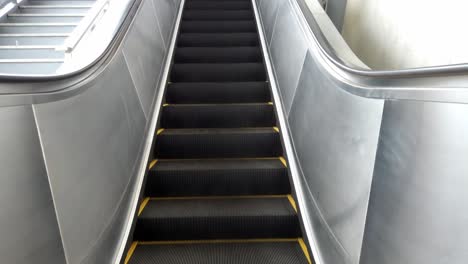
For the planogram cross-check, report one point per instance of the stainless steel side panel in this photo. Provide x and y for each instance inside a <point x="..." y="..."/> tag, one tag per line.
<point x="335" y="136"/>
<point x="288" y="49"/>
<point x="67" y="186"/>
<point x="334" y="133"/>
<point x="418" y="209"/>
<point x="91" y="143"/>
<point x="144" y="40"/>
<point x="29" y="232"/>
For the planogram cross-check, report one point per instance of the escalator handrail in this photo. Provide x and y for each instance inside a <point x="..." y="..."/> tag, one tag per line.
<point x="70" y="78"/>
<point x="327" y="50"/>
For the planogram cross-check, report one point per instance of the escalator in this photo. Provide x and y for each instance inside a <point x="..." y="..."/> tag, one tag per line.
<point x="218" y="189"/>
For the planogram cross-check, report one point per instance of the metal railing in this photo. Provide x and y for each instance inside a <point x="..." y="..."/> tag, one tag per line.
<point x="87" y="24"/>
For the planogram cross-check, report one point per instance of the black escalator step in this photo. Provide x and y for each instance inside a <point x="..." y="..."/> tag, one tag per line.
<point x="262" y="252"/>
<point x="203" y="177"/>
<point x="218" y="15"/>
<point x="217" y="54"/>
<point x="218" y="5"/>
<point x="218" y="115"/>
<point x="218" y="143"/>
<point x="198" y="26"/>
<point x="233" y="92"/>
<point x="218" y="72"/>
<point x="217" y="39"/>
<point x="217" y="218"/>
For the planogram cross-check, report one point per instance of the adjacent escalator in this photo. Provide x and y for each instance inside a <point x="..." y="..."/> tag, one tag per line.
<point x="218" y="189"/>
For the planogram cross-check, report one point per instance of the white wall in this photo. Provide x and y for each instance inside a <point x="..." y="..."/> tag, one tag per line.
<point x="395" y="34"/>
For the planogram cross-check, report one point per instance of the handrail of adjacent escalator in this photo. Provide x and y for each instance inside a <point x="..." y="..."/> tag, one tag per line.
<point x="13" y="84"/>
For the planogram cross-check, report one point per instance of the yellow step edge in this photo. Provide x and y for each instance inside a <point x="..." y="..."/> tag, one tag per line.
<point x="143" y="205"/>
<point x="276" y="129"/>
<point x="218" y="241"/>
<point x="222" y="104"/>
<point x="130" y="252"/>
<point x="304" y="250"/>
<point x="283" y="160"/>
<point x="194" y="159"/>
<point x="293" y="203"/>
<point x="152" y="163"/>
<point x="218" y="197"/>
<point x="160" y="131"/>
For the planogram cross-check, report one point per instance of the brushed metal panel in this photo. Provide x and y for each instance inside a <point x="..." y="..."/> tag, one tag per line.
<point x="335" y="135"/>
<point x="144" y="52"/>
<point x="418" y="209"/>
<point x="288" y="50"/>
<point x="91" y="144"/>
<point x="29" y="232"/>
<point x="268" y="11"/>
<point x="165" y="14"/>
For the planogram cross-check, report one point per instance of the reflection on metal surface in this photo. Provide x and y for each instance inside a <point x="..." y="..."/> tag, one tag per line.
<point x="419" y="200"/>
<point x="92" y="143"/>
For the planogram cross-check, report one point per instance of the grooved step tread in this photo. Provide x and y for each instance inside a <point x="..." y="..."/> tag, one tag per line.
<point x="203" y="177"/>
<point x="218" y="72"/>
<point x="218" y="92"/>
<point x="222" y="26"/>
<point x="229" y="217"/>
<point x="217" y="115"/>
<point x="218" y="143"/>
<point x="217" y="54"/>
<point x="217" y="39"/>
<point x="218" y="15"/>
<point x="281" y="252"/>
<point x="218" y="5"/>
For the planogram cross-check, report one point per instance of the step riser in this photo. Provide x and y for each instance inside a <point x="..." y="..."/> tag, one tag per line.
<point x="217" y="182"/>
<point x="222" y="5"/>
<point x="217" y="40"/>
<point x="218" y="146"/>
<point x="218" y="27"/>
<point x="240" y="72"/>
<point x="197" y="228"/>
<point x="218" y="116"/>
<point x="218" y="55"/>
<point x="188" y="93"/>
<point x="217" y="15"/>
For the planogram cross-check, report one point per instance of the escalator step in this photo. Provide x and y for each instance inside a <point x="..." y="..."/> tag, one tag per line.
<point x="217" y="218"/>
<point x="218" y="15"/>
<point x="217" y="39"/>
<point x="218" y="72"/>
<point x="202" y="177"/>
<point x="281" y="252"/>
<point x="218" y="115"/>
<point x="217" y="55"/>
<point x="231" y="92"/>
<point x="218" y="5"/>
<point x="222" y="26"/>
<point x="218" y="143"/>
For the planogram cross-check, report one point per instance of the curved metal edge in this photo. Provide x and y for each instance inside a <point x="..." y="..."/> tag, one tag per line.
<point x="287" y="142"/>
<point x="327" y="50"/>
<point x="143" y="166"/>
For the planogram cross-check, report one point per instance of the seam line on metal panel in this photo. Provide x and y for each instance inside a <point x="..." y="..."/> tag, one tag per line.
<point x="49" y="182"/>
